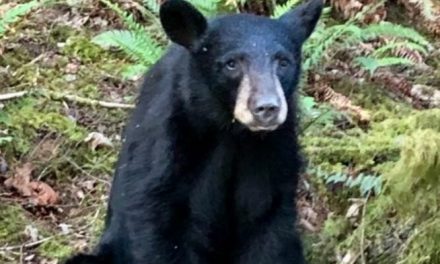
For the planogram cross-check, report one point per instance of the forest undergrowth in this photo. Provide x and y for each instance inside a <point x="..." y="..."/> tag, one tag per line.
<point x="370" y="123"/>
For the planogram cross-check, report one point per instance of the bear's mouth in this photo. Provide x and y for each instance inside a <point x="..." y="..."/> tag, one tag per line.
<point x="257" y="128"/>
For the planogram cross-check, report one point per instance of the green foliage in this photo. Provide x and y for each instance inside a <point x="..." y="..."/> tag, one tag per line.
<point x="372" y="64"/>
<point x="326" y="41"/>
<point x="418" y="169"/>
<point x="207" y="7"/>
<point x="282" y="9"/>
<point x="137" y="45"/>
<point x="365" y="183"/>
<point x="24" y="120"/>
<point x="152" y="5"/>
<point x="12" y="223"/>
<point x="137" y="41"/>
<point x="56" y="248"/>
<point x="330" y="148"/>
<point x="396" y="45"/>
<point x="410" y="193"/>
<point x="15" y="13"/>
<point x="393" y="30"/>
<point x="313" y="114"/>
<point x="143" y="44"/>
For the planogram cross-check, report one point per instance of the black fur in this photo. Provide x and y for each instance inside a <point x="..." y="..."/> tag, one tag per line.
<point x="191" y="186"/>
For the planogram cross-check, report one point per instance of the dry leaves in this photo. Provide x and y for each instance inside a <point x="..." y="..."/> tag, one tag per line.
<point x="425" y="11"/>
<point x="39" y="192"/>
<point x="324" y="93"/>
<point x="349" y="8"/>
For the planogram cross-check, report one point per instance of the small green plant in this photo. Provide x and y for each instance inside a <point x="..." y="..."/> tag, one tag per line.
<point x="136" y="41"/>
<point x="282" y="9"/>
<point x="365" y="183"/>
<point x="14" y="14"/>
<point x="143" y="43"/>
<point x="327" y="40"/>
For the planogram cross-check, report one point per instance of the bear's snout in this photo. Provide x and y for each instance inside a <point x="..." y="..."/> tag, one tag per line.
<point x="261" y="103"/>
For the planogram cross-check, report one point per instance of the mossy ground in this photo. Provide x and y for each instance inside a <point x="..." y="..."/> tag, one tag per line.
<point x="50" y="51"/>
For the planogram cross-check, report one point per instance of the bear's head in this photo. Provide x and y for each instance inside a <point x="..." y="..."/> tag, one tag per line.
<point x="250" y="63"/>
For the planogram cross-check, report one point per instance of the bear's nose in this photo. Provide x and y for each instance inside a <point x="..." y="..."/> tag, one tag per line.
<point x="266" y="111"/>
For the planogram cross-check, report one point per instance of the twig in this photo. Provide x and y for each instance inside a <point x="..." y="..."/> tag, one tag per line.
<point x="92" y="102"/>
<point x="27" y="245"/>
<point x="68" y="97"/>
<point x="8" y="96"/>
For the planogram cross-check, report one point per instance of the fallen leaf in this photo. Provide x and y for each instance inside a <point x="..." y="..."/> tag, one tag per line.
<point x="39" y="192"/>
<point x="96" y="139"/>
<point x="21" y="180"/>
<point x="44" y="194"/>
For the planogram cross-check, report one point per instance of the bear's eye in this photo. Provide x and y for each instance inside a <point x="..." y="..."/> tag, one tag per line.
<point x="231" y="65"/>
<point x="283" y="62"/>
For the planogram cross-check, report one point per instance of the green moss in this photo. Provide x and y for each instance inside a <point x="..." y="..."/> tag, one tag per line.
<point x="12" y="224"/>
<point x="372" y="97"/>
<point x="410" y="201"/>
<point x="334" y="149"/>
<point x="320" y="248"/>
<point x="55" y="248"/>
<point x="81" y="47"/>
<point x="26" y="117"/>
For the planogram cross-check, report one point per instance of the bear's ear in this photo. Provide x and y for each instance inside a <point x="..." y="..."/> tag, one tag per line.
<point x="182" y="22"/>
<point x="303" y="18"/>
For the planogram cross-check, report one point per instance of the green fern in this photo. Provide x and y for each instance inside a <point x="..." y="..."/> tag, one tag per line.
<point x="14" y="14"/>
<point x="152" y="5"/>
<point x="282" y="9"/>
<point x="365" y="183"/>
<point x="395" y="45"/>
<point x="134" y="70"/>
<point x="137" y="45"/>
<point x="349" y="34"/>
<point x="393" y="30"/>
<point x="126" y="17"/>
<point x="143" y="44"/>
<point x="137" y="41"/>
<point x="372" y="64"/>
<point x="207" y="7"/>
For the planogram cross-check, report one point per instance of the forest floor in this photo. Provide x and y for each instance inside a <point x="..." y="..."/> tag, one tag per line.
<point x="58" y="146"/>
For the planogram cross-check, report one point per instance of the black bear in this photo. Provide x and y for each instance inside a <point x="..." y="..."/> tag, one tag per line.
<point x="210" y="162"/>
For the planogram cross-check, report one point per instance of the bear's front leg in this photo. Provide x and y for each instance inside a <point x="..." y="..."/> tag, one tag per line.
<point x="273" y="239"/>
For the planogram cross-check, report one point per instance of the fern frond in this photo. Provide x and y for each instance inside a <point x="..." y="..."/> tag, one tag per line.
<point x="396" y="45"/>
<point x="134" y="70"/>
<point x="208" y="8"/>
<point x="282" y="9"/>
<point x="323" y="38"/>
<point x="372" y="64"/>
<point x="14" y="14"/>
<point x="393" y="30"/>
<point x="139" y="46"/>
<point x="126" y="17"/>
<point x="152" y="5"/>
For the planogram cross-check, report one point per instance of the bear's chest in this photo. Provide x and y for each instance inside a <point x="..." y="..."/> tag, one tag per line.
<point x="233" y="181"/>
